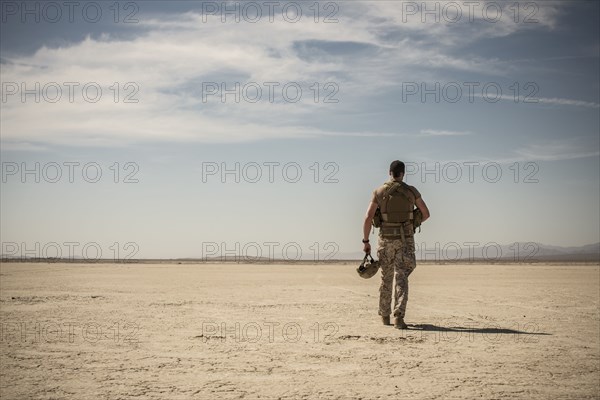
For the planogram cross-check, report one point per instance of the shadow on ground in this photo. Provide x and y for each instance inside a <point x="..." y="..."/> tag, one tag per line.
<point x="473" y="329"/>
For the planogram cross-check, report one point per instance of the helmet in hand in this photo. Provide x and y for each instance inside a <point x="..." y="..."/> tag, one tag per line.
<point x="368" y="268"/>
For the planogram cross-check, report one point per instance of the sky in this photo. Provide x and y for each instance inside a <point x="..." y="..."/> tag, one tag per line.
<point x="155" y="129"/>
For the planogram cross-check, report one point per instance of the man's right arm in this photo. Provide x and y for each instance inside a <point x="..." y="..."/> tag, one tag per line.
<point x="367" y="222"/>
<point x="423" y="207"/>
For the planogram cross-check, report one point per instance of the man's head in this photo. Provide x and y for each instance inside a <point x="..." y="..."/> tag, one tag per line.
<point x="397" y="169"/>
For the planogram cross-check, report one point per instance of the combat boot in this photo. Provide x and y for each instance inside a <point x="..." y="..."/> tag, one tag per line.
<point x="399" y="323"/>
<point x="386" y="320"/>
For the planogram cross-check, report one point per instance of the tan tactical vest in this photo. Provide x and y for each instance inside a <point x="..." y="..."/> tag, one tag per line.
<point x="397" y="203"/>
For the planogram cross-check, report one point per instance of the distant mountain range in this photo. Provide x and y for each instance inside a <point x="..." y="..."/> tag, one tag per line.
<point x="440" y="252"/>
<point x="518" y="251"/>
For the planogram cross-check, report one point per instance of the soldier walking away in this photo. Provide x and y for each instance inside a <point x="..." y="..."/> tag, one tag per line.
<point x="392" y="209"/>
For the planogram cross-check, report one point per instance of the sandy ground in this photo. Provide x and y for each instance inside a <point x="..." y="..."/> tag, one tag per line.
<point x="84" y="331"/>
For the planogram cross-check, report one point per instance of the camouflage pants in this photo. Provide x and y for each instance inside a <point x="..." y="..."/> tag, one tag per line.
<point x="397" y="260"/>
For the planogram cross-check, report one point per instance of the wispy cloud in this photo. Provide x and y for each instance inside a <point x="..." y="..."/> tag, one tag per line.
<point x="175" y="53"/>
<point x="556" y="150"/>
<point x="551" y="150"/>
<point x="568" y="102"/>
<point x="433" y="132"/>
<point x="10" y="145"/>
<point x="542" y="100"/>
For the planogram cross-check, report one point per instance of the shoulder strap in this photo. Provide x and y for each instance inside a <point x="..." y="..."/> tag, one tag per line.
<point x="395" y="186"/>
<point x="390" y="187"/>
<point x="411" y="189"/>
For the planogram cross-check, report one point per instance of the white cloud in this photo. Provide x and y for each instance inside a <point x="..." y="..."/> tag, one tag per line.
<point x="176" y="53"/>
<point x="553" y="150"/>
<point x="538" y="100"/>
<point x="556" y="150"/>
<point x="433" y="132"/>
<point x="568" y="102"/>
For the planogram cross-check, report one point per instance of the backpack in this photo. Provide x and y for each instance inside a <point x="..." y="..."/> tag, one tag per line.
<point x="399" y="202"/>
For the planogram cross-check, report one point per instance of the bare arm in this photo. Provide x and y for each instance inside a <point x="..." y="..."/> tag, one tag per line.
<point x="368" y="220"/>
<point x="367" y="225"/>
<point x="423" y="207"/>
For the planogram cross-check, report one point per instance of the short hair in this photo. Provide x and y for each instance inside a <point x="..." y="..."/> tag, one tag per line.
<point x="397" y="168"/>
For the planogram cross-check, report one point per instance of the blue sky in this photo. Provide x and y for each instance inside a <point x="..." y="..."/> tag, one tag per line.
<point x="539" y="115"/>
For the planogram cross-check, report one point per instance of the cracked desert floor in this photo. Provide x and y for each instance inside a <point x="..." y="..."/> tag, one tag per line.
<point x="233" y="331"/>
